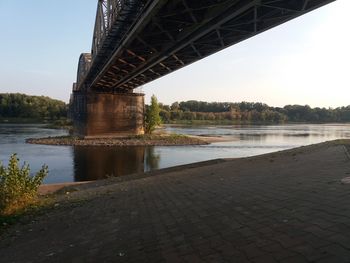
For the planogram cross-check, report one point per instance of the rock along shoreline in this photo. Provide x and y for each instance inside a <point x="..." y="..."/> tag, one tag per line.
<point x="142" y="140"/>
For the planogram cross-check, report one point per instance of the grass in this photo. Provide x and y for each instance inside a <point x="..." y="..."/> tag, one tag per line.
<point x="43" y="206"/>
<point x="221" y="122"/>
<point x="158" y="136"/>
<point x="25" y="214"/>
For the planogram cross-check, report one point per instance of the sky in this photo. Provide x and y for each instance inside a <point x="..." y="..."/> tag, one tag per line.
<point x="304" y="61"/>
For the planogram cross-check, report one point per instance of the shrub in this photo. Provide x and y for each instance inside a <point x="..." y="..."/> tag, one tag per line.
<point x="18" y="188"/>
<point x="152" y="118"/>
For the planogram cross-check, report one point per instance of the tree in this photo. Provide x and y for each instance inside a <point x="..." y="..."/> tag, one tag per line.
<point x="175" y="106"/>
<point x="249" y="111"/>
<point x="152" y="118"/>
<point x="165" y="116"/>
<point x="15" y="105"/>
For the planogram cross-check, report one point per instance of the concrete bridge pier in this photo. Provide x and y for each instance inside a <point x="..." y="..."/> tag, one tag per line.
<point x="107" y="114"/>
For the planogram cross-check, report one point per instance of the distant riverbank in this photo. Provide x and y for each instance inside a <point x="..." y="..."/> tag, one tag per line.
<point x="235" y="122"/>
<point x="86" y="163"/>
<point x="67" y="124"/>
<point x="21" y="121"/>
<point x="62" y="123"/>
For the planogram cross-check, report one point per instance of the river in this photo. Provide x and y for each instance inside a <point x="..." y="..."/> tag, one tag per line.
<point x="68" y="164"/>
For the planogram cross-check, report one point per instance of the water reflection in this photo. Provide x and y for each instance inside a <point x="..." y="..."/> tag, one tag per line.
<point x="152" y="159"/>
<point x="94" y="163"/>
<point x="254" y="137"/>
<point x="68" y="163"/>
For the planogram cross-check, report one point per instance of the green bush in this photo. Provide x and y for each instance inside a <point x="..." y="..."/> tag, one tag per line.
<point x="18" y="188"/>
<point x="152" y="118"/>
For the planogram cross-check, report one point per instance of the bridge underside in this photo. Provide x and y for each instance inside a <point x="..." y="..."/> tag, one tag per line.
<point x="176" y="33"/>
<point x="152" y="38"/>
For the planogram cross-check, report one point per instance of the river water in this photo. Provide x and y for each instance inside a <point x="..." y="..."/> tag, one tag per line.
<point x="67" y="163"/>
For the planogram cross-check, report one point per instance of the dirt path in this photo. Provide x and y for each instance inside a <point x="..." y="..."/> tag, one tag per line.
<point x="289" y="206"/>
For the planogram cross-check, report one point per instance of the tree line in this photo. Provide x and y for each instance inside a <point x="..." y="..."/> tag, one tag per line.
<point x="249" y="112"/>
<point x="16" y="105"/>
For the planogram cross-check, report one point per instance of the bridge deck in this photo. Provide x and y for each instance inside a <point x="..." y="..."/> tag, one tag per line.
<point x="164" y="36"/>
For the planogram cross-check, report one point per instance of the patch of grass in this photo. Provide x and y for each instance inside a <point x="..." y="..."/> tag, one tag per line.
<point x="177" y="137"/>
<point x="160" y="137"/>
<point x="220" y="122"/>
<point x="25" y="213"/>
<point x="44" y="205"/>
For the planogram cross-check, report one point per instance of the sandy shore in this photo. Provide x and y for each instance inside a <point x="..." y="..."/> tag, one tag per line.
<point x="290" y="206"/>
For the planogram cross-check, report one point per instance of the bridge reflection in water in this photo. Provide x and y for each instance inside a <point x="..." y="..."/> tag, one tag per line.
<point x="94" y="163"/>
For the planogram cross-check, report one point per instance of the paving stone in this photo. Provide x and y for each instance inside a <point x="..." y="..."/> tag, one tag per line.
<point x="264" y="259"/>
<point x="283" y="254"/>
<point x="342" y="239"/>
<point x="340" y="253"/>
<point x="295" y="259"/>
<point x="252" y="251"/>
<point x="192" y="259"/>
<point x="295" y="212"/>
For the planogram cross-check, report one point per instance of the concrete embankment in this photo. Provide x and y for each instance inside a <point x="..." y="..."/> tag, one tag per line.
<point x="289" y="206"/>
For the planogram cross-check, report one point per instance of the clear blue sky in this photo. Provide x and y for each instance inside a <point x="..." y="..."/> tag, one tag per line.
<point x="305" y="61"/>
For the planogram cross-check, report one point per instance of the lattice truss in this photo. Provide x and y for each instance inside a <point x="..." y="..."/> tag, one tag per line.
<point x="168" y="35"/>
<point x="107" y="13"/>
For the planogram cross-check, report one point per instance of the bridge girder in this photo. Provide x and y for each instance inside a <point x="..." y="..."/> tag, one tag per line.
<point x="138" y="41"/>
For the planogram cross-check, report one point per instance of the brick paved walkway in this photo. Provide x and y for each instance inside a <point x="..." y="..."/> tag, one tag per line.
<point x="289" y="207"/>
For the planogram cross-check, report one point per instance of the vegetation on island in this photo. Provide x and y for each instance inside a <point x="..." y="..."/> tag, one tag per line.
<point x="152" y="117"/>
<point x="18" y="189"/>
<point x="248" y="112"/>
<point x="18" y="107"/>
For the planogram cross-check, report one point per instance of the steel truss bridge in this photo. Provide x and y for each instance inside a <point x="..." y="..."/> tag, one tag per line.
<point x="138" y="41"/>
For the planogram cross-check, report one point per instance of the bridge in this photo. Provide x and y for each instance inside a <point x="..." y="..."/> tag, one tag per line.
<point x="138" y="41"/>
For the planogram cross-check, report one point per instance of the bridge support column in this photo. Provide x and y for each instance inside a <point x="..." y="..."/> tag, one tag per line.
<point x="108" y="114"/>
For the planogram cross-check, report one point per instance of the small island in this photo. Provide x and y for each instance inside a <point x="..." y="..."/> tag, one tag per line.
<point x="140" y="140"/>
